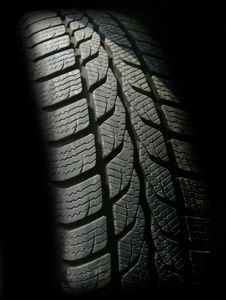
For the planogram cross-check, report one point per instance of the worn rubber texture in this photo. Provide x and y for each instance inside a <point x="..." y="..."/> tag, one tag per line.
<point x="131" y="204"/>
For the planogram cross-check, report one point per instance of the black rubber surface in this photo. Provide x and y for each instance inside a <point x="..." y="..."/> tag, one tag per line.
<point x="131" y="203"/>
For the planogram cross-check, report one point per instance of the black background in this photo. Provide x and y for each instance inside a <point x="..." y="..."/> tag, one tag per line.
<point x="190" y="36"/>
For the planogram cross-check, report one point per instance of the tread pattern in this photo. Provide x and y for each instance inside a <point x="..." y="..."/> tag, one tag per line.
<point x="120" y="168"/>
<point x="184" y="153"/>
<point x="78" y="24"/>
<point x="70" y="16"/>
<point x="157" y="66"/>
<point x="73" y="159"/>
<point x="35" y="17"/>
<point x="178" y="120"/>
<point x="140" y="36"/>
<point x="200" y="230"/>
<point x="91" y="47"/>
<point x="186" y="156"/>
<point x="66" y="121"/>
<point x="53" y="64"/>
<point x="60" y="88"/>
<point x="144" y="106"/>
<point x="78" y="201"/>
<point x="168" y="277"/>
<point x="83" y="241"/>
<point x="148" y="48"/>
<point x="138" y="273"/>
<point x="152" y="138"/>
<point x="105" y="95"/>
<point x="159" y="182"/>
<point x="175" y="258"/>
<point x="42" y="25"/>
<point x="132" y="24"/>
<point x="125" y="210"/>
<point x="120" y="161"/>
<point x="48" y="47"/>
<point x="112" y="131"/>
<point x="97" y="68"/>
<point x="90" y="276"/>
<point x="42" y="36"/>
<point x="83" y="34"/>
<point x="129" y="247"/>
<point x="194" y="194"/>
<point x="164" y="89"/>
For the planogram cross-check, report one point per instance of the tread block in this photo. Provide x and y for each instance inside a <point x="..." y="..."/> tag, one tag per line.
<point x="194" y="194"/>
<point x="48" y="47"/>
<point x="164" y="89"/>
<point x="60" y="88"/>
<point x="157" y="66"/>
<point x="36" y="16"/>
<point x="101" y="17"/>
<point x="178" y="120"/>
<point x="148" y="49"/>
<point x="78" y="24"/>
<point x="90" y="47"/>
<point x="144" y="106"/>
<point x="83" y="241"/>
<point x="125" y="209"/>
<point x="150" y="137"/>
<point x="143" y="37"/>
<point x="122" y="55"/>
<point x="73" y="159"/>
<point x="167" y="277"/>
<point x="200" y="230"/>
<point x="130" y="246"/>
<point x="105" y="95"/>
<point x="83" y="34"/>
<point x="131" y="24"/>
<point x="169" y="250"/>
<point x="186" y="156"/>
<point x="112" y="131"/>
<point x="97" y="68"/>
<point x="133" y="78"/>
<point x="159" y="182"/>
<point x="159" y="185"/>
<point x="165" y="215"/>
<point x="42" y="25"/>
<point x="88" y="277"/>
<point x="120" y="168"/>
<point x="107" y="28"/>
<point x="42" y="36"/>
<point x="135" y="278"/>
<point x="66" y="121"/>
<point x="53" y="64"/>
<point x="78" y="201"/>
<point x="71" y="15"/>
<point x="118" y="38"/>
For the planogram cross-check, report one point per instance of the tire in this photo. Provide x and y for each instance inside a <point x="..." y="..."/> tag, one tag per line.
<point x="131" y="203"/>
